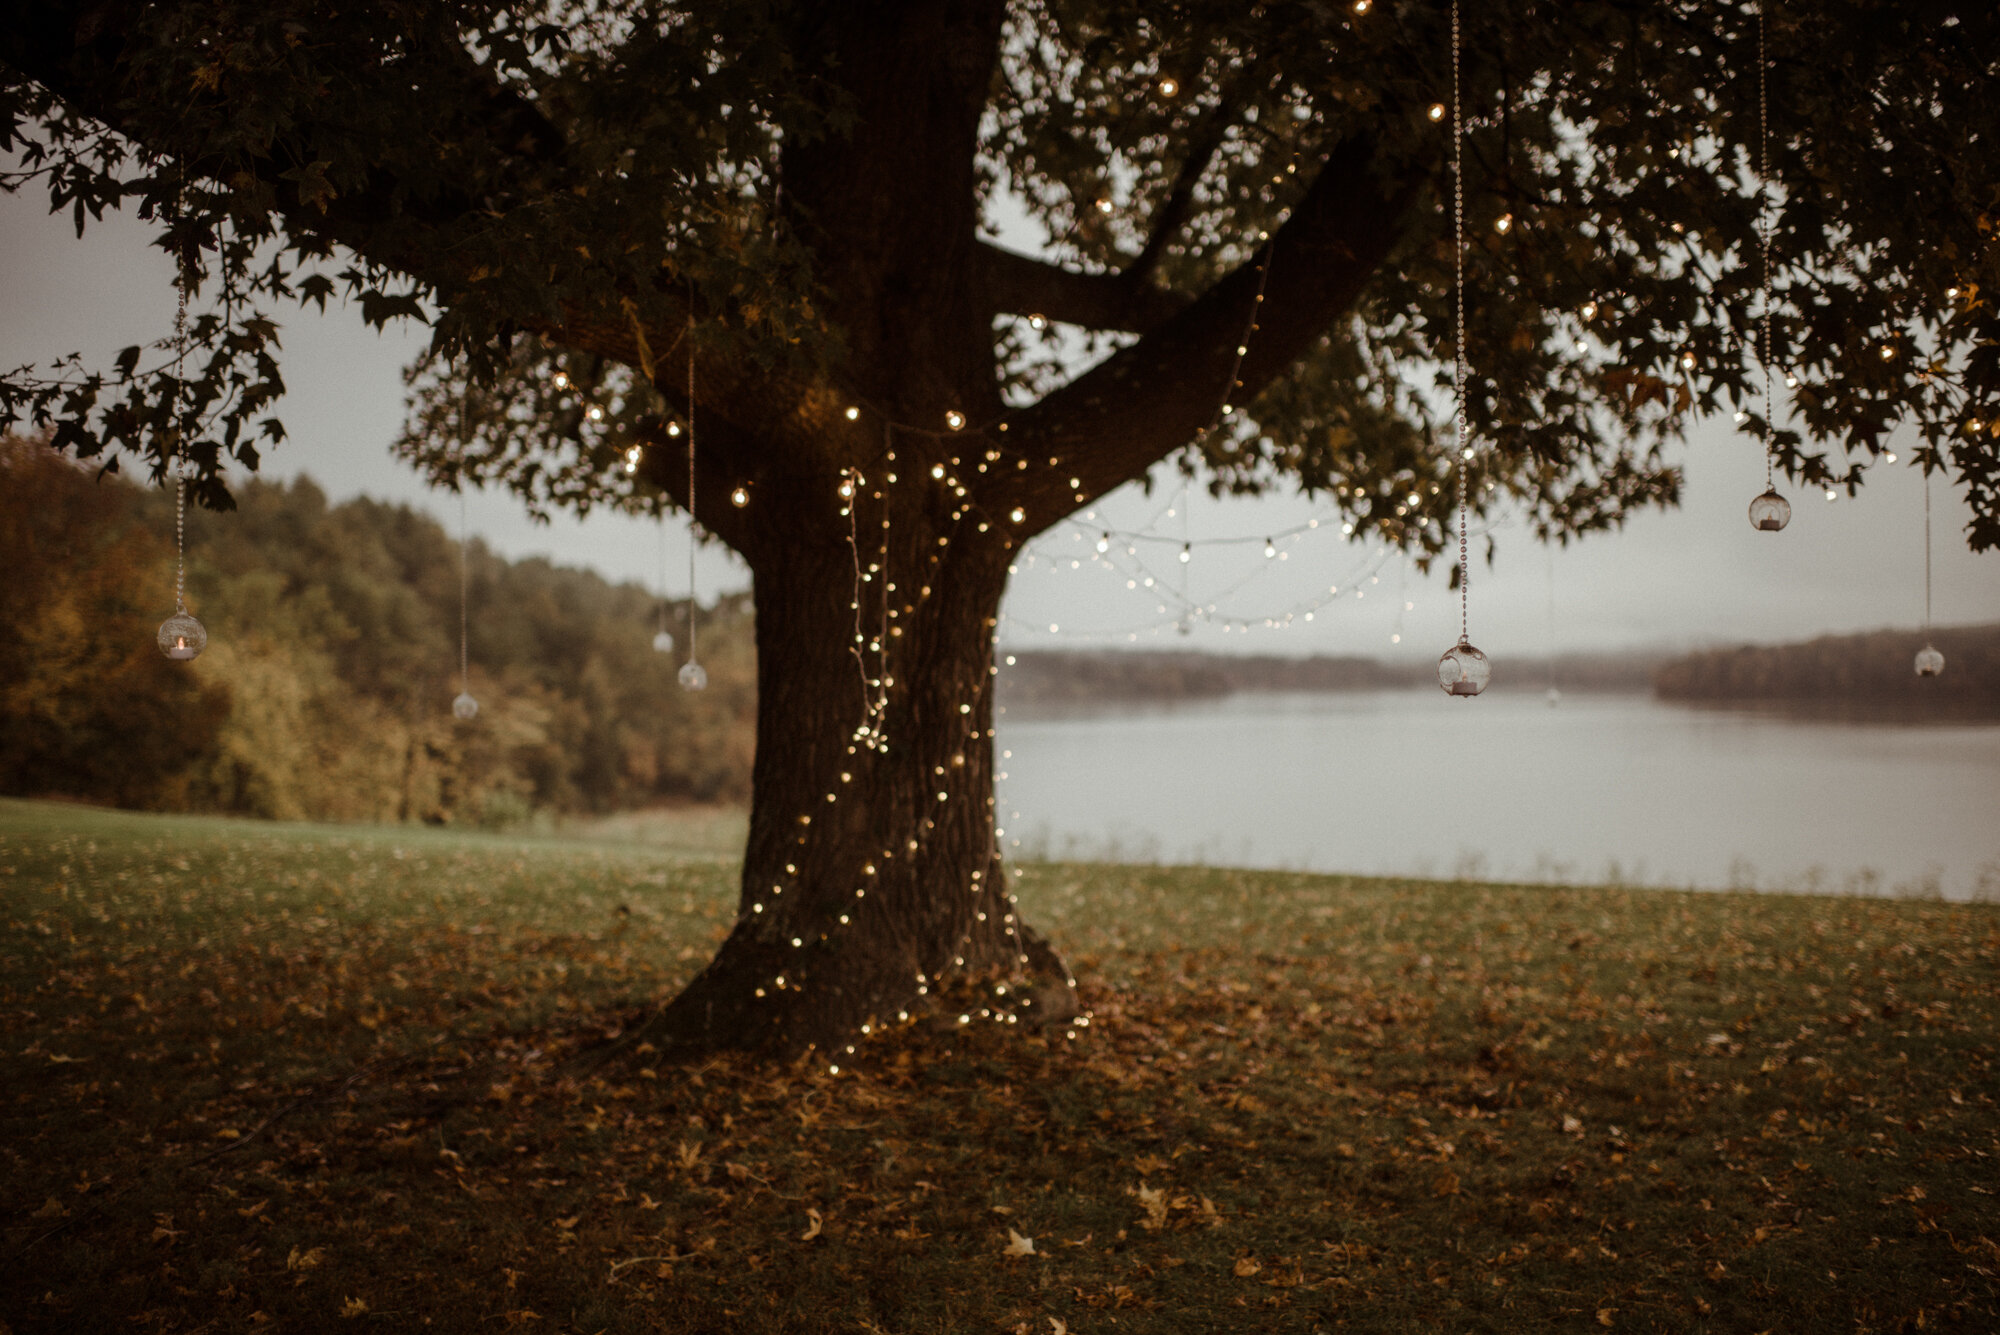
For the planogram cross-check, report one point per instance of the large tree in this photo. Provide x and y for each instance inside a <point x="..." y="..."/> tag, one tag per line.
<point x="791" y="207"/>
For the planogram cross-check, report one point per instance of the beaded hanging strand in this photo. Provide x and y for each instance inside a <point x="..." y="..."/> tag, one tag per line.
<point x="463" y="706"/>
<point x="181" y="636"/>
<point x="1929" y="661"/>
<point x="1462" y="669"/>
<point x="693" y="676"/>
<point x="1769" y="512"/>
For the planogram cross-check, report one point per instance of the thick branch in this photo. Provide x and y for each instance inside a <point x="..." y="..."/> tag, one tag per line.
<point x="1024" y="286"/>
<point x="1173" y="212"/>
<point x="1147" y="400"/>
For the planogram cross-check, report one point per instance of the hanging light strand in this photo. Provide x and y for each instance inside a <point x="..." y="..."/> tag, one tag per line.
<point x="1764" y="227"/>
<point x="181" y="636"/>
<point x="1458" y="365"/>
<point x="692" y="675"/>
<point x="464" y="706"/>
<point x="1463" y="671"/>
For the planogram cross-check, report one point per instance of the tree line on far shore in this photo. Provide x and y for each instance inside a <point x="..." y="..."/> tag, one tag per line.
<point x="325" y="692"/>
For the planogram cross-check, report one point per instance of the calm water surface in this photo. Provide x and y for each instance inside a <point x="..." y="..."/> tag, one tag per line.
<point x="1602" y="787"/>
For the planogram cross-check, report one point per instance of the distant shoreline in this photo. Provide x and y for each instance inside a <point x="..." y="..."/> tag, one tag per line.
<point x="1865" y="677"/>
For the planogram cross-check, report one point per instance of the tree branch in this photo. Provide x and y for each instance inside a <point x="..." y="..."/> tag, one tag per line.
<point x="1021" y="285"/>
<point x="1111" y="424"/>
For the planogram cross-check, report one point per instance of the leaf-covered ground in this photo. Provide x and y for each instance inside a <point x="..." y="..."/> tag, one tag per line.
<point x="263" y="1077"/>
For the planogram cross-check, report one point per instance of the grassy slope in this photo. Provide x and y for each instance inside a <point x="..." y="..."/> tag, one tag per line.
<point x="262" y="1077"/>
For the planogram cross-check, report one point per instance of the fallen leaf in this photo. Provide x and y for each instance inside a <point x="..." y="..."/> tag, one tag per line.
<point x="1604" y="1315"/>
<point x="1018" y="1245"/>
<point x="1057" y="1326"/>
<point x="1571" y="1125"/>
<point x="305" y="1260"/>
<point x="567" y="1224"/>
<point x="813" y="1223"/>
<point x="1155" y="1205"/>
<point x="1247" y="1266"/>
<point x="51" y="1209"/>
<point x="353" y="1307"/>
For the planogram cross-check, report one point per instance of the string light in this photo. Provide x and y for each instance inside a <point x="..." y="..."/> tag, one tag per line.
<point x="1929" y="662"/>
<point x="463" y="706"/>
<point x="1769" y="511"/>
<point x="1462" y="669"/>
<point x="181" y="636"/>
<point x="692" y="676"/>
<point x="1169" y="87"/>
<point x="739" y="497"/>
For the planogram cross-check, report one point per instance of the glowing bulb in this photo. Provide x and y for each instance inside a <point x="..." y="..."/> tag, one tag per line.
<point x="1888" y="352"/>
<point x="1741" y="417"/>
<point x="1832" y="495"/>
<point x="739" y="497"/>
<point x="673" y="428"/>
<point x="181" y="637"/>
<point x="1187" y="554"/>
<point x="561" y="380"/>
<point x="1270" y="549"/>
<point x="1437" y="111"/>
<point x="1168" y="87"/>
<point x="1951" y="294"/>
<point x="595" y="413"/>
<point x="1890" y="456"/>
<point x="1687" y="361"/>
<point x="464" y="708"/>
<point x="846" y="490"/>
<point x="1038" y="322"/>
<point x="1502" y="223"/>
<point x="693" y="677"/>
<point x="1590" y="310"/>
<point x="937" y="470"/>
<point x="1581" y="346"/>
<point x="1017" y="514"/>
<point x="1363" y="6"/>
<point x="1103" y="544"/>
<point x="955" y="420"/>
<point x="1791" y="381"/>
<point x="1104" y="206"/>
<point x="853" y="414"/>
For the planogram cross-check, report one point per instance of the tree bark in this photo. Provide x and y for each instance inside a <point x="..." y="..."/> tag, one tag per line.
<point x="872" y="883"/>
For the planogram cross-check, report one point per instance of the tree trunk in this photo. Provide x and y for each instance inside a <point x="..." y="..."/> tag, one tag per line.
<point x="872" y="883"/>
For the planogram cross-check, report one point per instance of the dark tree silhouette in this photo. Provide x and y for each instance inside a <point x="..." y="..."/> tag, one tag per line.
<point x="1246" y="204"/>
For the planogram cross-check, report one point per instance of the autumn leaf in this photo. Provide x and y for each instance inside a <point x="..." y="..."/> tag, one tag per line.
<point x="813" y="1224"/>
<point x="1572" y="1126"/>
<point x="1017" y="1245"/>
<point x="1604" y="1315"/>
<point x="354" y="1307"/>
<point x="51" y="1209"/>
<point x="304" y="1260"/>
<point x="1247" y="1266"/>
<point x="1154" y="1203"/>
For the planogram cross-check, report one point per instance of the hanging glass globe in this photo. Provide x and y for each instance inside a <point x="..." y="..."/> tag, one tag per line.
<point x="694" y="676"/>
<point x="1770" y="512"/>
<point x="663" y="643"/>
<point x="1929" y="661"/>
<point x="1463" y="670"/>
<point x="464" y="707"/>
<point x="181" y="637"/>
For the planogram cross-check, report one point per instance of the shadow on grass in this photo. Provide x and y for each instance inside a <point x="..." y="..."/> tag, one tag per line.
<point x="265" y="1078"/>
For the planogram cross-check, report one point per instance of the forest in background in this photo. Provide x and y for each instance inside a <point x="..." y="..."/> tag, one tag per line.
<point x="1835" y="672"/>
<point x="326" y="688"/>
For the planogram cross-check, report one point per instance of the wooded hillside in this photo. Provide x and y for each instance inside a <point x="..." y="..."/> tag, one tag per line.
<point x="1838" y="671"/>
<point x="325" y="690"/>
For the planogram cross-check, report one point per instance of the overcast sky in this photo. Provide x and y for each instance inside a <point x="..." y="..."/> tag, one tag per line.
<point x="1691" y="577"/>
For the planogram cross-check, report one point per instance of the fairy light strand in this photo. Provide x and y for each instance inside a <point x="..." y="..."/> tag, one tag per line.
<point x="693" y="534"/>
<point x="1458" y="367"/>
<point x="1764" y="229"/>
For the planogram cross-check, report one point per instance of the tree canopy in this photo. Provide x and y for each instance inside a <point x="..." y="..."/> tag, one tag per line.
<point x="777" y="229"/>
<point x="551" y="185"/>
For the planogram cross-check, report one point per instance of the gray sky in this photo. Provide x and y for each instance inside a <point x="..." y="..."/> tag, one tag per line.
<point x="1690" y="577"/>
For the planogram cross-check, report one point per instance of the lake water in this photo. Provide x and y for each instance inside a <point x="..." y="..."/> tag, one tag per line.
<point x="1601" y="787"/>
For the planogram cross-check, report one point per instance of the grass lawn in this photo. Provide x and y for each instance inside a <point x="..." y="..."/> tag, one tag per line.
<point x="269" y="1077"/>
